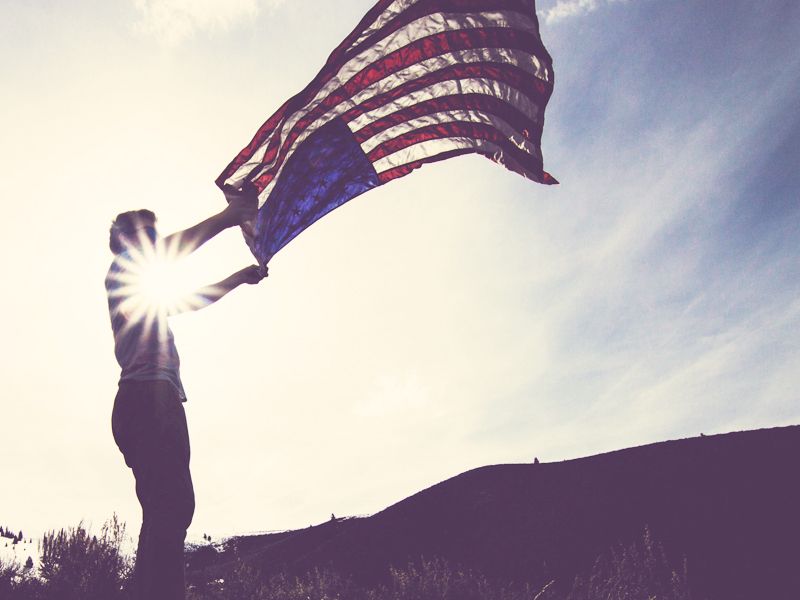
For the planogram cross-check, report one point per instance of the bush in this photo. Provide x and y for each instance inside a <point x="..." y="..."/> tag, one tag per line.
<point x="9" y="573"/>
<point x="246" y="582"/>
<point x="437" y="580"/>
<point x="427" y="580"/>
<point x="640" y="571"/>
<point x="78" y="566"/>
<point x="18" y="583"/>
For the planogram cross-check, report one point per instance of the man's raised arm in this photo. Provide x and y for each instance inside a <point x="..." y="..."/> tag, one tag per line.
<point x="242" y="206"/>
<point x="211" y="293"/>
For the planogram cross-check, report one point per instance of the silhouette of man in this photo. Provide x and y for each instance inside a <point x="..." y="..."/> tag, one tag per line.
<point x="148" y="419"/>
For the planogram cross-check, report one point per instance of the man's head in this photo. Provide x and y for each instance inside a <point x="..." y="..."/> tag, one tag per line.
<point x="131" y="229"/>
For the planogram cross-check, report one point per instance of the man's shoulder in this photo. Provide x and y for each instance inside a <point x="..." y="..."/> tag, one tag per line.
<point x="116" y="271"/>
<point x="120" y="263"/>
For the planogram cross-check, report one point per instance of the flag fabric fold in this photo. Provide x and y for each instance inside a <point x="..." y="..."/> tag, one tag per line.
<point x="417" y="81"/>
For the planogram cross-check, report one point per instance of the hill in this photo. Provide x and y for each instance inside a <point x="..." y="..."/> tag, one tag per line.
<point x="727" y="503"/>
<point x="15" y="548"/>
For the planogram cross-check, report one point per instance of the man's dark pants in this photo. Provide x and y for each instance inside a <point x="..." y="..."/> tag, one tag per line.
<point x="149" y="426"/>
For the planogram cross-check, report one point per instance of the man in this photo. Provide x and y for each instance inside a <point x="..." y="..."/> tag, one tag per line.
<point x="148" y="419"/>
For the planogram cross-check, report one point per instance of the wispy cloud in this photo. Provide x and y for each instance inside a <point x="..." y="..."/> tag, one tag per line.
<point x="655" y="321"/>
<point x="173" y="21"/>
<point x="565" y="9"/>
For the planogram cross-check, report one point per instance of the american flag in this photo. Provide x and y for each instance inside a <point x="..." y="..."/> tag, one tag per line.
<point x="417" y="81"/>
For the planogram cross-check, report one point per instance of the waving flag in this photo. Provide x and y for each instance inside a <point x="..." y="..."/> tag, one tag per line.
<point x="417" y="81"/>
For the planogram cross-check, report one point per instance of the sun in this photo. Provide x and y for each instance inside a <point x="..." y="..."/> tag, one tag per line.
<point x="153" y="286"/>
<point x="159" y="285"/>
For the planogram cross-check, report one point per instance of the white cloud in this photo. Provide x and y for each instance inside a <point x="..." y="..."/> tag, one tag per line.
<point x="173" y="21"/>
<point x="564" y="9"/>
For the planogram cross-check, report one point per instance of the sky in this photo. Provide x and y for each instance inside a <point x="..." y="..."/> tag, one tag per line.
<point x="459" y="317"/>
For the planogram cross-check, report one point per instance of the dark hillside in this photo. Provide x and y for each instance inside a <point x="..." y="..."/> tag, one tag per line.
<point x="729" y="503"/>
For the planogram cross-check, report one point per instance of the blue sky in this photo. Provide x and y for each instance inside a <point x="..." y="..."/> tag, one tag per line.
<point x="458" y="317"/>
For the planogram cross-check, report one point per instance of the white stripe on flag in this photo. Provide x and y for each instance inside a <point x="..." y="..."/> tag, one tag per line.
<point x="488" y="87"/>
<point x="431" y="148"/>
<point x="389" y="14"/>
<point x="451" y="116"/>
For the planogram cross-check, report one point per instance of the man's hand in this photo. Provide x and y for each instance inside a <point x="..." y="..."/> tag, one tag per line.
<point x="242" y="205"/>
<point x="251" y="275"/>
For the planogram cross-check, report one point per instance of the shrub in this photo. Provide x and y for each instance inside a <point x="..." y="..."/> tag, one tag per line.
<point x="78" y="566"/>
<point x="18" y="583"/>
<point x="9" y="573"/>
<point x="640" y="570"/>
<point x="437" y="580"/>
<point x="246" y="582"/>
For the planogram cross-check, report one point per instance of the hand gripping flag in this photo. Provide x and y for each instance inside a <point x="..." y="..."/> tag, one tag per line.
<point x="417" y="81"/>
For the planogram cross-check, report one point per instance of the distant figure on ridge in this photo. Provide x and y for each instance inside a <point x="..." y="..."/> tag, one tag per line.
<point x="148" y="420"/>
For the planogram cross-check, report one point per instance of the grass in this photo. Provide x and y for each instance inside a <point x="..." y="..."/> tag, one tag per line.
<point x="76" y="565"/>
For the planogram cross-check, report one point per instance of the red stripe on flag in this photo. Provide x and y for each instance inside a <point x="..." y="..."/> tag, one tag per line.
<point x="255" y="143"/>
<point x="337" y="56"/>
<point x="528" y="164"/>
<point x="435" y="45"/>
<point x="505" y="73"/>
<point x="479" y="131"/>
<point x="477" y="102"/>
<point x="537" y="174"/>
<point x="429" y="7"/>
<point x="424" y="8"/>
<point x="402" y="170"/>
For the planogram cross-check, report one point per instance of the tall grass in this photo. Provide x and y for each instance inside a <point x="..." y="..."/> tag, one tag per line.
<point x="640" y="570"/>
<point x="76" y="565"/>
<point x="425" y="580"/>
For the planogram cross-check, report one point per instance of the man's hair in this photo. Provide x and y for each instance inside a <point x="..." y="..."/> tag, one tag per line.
<point x="127" y="223"/>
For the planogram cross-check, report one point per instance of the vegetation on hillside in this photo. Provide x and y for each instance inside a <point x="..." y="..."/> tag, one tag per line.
<point x="75" y="564"/>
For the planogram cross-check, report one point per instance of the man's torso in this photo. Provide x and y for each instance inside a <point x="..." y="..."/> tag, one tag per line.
<point x="143" y="341"/>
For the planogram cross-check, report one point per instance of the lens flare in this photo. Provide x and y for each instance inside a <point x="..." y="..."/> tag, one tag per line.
<point x="152" y="285"/>
<point x="159" y="285"/>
